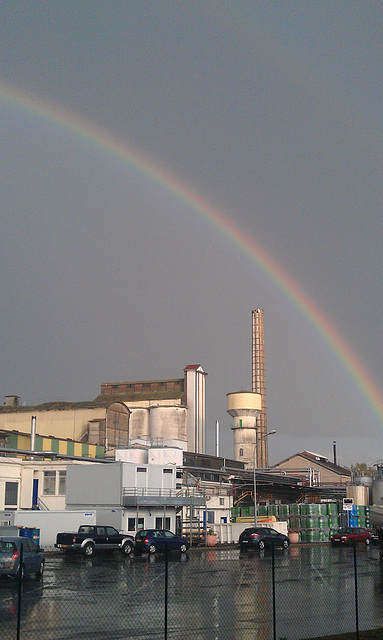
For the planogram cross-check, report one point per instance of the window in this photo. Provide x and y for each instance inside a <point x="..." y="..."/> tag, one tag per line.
<point x="162" y="523"/>
<point x="141" y="469"/>
<point x="11" y="493"/>
<point x="210" y="517"/>
<point x="49" y="483"/>
<point x="62" y="483"/>
<point x="131" y="524"/>
<point x="110" y="531"/>
<point x="168" y="470"/>
<point x="222" y="501"/>
<point x="241" y="452"/>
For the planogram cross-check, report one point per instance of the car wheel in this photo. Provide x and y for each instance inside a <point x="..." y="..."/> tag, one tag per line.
<point x="183" y="548"/>
<point x="88" y="550"/>
<point x="261" y="544"/>
<point x="285" y="544"/>
<point x="368" y="541"/>
<point x="40" y="571"/>
<point x="127" y="549"/>
<point x="152" y="548"/>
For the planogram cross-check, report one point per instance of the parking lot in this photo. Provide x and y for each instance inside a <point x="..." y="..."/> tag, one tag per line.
<point x="212" y="593"/>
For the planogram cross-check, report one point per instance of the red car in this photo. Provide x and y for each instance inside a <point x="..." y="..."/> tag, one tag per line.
<point x="350" y="535"/>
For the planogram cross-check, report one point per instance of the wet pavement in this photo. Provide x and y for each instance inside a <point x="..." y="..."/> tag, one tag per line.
<point x="212" y="594"/>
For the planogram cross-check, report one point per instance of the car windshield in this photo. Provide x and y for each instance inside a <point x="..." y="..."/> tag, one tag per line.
<point x="7" y="547"/>
<point x="345" y="530"/>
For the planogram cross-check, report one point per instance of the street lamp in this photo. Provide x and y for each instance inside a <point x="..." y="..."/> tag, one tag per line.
<point x="255" y="479"/>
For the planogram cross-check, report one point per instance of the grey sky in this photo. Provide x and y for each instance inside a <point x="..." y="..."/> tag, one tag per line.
<point x="270" y="111"/>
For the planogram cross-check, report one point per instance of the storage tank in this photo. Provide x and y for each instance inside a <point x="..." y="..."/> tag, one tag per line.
<point x="360" y="494"/>
<point x="167" y="423"/>
<point x="244" y="407"/>
<point x="377" y="485"/>
<point x="139" y="424"/>
<point x="377" y="492"/>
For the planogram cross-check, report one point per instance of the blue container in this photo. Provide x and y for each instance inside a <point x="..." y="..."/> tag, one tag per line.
<point x="33" y="534"/>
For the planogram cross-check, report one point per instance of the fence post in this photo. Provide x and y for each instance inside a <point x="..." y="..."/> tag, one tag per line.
<point x="273" y="581"/>
<point x="356" y="595"/>
<point x="166" y="592"/>
<point x="20" y="583"/>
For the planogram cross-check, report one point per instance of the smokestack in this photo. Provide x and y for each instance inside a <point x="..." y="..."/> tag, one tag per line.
<point x="334" y="449"/>
<point x="259" y="384"/>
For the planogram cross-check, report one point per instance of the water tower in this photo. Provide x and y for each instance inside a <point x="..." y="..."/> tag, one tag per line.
<point x="244" y="407"/>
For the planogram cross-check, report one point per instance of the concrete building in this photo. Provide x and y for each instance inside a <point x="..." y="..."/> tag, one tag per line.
<point x="155" y="410"/>
<point x="244" y="407"/>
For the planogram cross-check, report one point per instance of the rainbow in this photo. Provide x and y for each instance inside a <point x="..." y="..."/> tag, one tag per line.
<point x="217" y="218"/>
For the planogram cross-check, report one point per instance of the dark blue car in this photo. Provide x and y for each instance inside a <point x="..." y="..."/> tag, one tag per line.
<point x="152" y="540"/>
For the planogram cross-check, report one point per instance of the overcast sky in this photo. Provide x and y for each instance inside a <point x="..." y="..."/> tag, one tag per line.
<point x="270" y="111"/>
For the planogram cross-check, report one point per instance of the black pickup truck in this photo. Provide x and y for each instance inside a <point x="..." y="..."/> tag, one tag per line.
<point x="91" y="538"/>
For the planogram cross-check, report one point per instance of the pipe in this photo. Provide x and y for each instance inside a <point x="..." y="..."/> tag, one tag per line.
<point x="217" y="438"/>
<point x="33" y="433"/>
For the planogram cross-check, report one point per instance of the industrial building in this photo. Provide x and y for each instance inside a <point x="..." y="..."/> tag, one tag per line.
<point x="167" y="411"/>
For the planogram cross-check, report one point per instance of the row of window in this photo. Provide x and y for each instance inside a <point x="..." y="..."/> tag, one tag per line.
<point x="144" y="470"/>
<point x="161" y="523"/>
<point x="54" y="483"/>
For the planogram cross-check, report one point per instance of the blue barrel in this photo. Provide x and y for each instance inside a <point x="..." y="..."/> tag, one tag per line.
<point x="29" y="532"/>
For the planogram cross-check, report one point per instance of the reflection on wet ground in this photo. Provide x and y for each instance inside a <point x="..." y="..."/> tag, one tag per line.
<point x="213" y="594"/>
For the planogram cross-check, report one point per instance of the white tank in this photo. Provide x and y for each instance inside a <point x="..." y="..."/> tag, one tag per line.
<point x="136" y="456"/>
<point x="244" y="407"/>
<point x="168" y="423"/>
<point x="360" y="493"/>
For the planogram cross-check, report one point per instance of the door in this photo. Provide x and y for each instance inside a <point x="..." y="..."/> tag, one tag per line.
<point x="35" y="493"/>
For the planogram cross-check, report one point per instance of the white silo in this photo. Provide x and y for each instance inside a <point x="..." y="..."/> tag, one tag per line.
<point x="244" y="407"/>
<point x="168" y="423"/>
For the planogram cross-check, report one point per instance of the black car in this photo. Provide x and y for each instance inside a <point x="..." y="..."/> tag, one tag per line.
<point x="261" y="537"/>
<point x="152" y="540"/>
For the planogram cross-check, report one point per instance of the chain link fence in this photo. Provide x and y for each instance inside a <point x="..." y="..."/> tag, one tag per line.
<point x="308" y="591"/>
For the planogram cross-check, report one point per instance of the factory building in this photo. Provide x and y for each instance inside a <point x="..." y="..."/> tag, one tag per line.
<point x="162" y="411"/>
